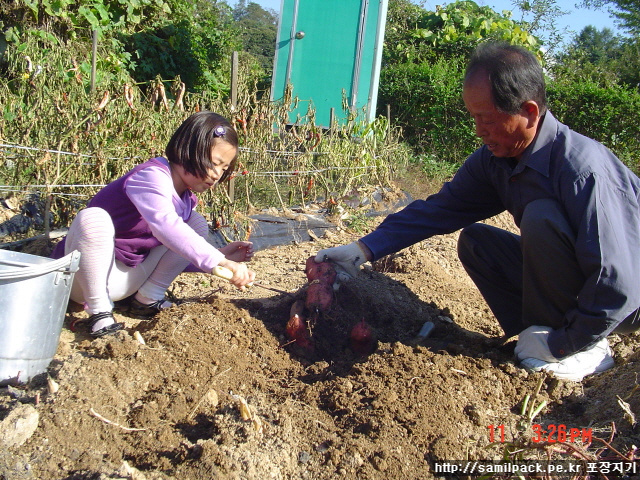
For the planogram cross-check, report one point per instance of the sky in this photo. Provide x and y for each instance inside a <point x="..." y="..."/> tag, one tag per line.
<point x="575" y="22"/>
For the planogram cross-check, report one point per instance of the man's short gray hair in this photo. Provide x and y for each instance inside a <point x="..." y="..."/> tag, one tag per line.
<point x="514" y="72"/>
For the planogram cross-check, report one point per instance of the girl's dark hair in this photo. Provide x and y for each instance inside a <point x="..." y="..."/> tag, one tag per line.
<point x="514" y="72"/>
<point x="191" y="144"/>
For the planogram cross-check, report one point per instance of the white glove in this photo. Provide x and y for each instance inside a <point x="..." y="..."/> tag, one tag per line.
<point x="347" y="257"/>
<point x="532" y="343"/>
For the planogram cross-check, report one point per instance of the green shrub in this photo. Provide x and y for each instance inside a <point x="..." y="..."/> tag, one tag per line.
<point x="426" y="101"/>
<point x="609" y="114"/>
<point x="435" y="169"/>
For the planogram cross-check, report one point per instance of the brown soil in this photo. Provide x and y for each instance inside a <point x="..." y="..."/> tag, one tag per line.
<point x="173" y="407"/>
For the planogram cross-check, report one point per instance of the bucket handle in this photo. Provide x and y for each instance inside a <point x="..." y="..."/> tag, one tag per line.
<point x="68" y="263"/>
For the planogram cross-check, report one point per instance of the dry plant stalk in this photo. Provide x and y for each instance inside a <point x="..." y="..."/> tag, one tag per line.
<point x="109" y="422"/>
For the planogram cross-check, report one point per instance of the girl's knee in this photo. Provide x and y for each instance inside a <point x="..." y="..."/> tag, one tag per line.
<point x="92" y="214"/>
<point x="93" y="221"/>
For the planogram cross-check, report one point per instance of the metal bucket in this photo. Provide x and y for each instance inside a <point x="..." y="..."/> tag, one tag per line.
<point x="34" y="293"/>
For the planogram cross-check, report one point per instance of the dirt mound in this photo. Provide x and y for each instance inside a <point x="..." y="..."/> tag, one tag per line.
<point x="216" y="391"/>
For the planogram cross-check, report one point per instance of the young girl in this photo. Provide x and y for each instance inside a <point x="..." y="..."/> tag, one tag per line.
<point x="141" y="231"/>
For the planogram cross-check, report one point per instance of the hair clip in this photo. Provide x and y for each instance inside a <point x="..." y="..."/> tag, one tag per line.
<point x="219" y="131"/>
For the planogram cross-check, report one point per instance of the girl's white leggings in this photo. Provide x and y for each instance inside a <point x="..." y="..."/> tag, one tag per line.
<point x="101" y="278"/>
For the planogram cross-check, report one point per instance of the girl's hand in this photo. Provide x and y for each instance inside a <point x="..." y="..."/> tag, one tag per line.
<point x="242" y="276"/>
<point x="238" y="251"/>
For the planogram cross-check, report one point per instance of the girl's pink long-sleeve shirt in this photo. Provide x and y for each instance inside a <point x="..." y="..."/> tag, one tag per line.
<point x="147" y="211"/>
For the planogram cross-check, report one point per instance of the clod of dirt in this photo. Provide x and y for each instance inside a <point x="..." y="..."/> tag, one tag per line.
<point x="18" y="426"/>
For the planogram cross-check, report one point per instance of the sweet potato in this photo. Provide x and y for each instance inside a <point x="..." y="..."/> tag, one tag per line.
<point x="323" y="272"/>
<point x="362" y="339"/>
<point x="297" y="308"/>
<point x="319" y="297"/>
<point x="297" y="331"/>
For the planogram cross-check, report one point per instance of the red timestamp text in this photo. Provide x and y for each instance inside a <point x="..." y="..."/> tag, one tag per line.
<point x="560" y="433"/>
<point x="546" y="434"/>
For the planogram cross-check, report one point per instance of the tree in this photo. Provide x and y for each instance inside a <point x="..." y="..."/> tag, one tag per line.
<point x="600" y="56"/>
<point x="629" y="62"/>
<point x="258" y="32"/>
<point x="453" y="30"/>
<point x="540" y="18"/>
<point x="599" y="46"/>
<point x="403" y="17"/>
<point x="627" y="11"/>
<point x="196" y="44"/>
<point x="629" y="15"/>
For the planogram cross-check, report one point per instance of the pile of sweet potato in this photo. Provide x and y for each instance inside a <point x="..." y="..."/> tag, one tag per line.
<point x="314" y="308"/>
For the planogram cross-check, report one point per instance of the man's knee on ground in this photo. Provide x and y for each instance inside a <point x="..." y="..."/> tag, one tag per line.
<point x="540" y="216"/>
<point x="468" y="239"/>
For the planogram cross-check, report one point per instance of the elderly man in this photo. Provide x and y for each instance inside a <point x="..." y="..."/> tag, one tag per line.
<point x="570" y="278"/>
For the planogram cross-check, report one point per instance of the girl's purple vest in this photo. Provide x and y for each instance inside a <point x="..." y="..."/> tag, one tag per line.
<point x="133" y="239"/>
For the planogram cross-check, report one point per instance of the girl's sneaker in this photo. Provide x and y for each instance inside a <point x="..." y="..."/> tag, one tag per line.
<point x="146" y="311"/>
<point x="100" y="324"/>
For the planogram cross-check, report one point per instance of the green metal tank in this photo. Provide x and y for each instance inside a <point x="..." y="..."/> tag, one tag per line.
<point x="330" y="52"/>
